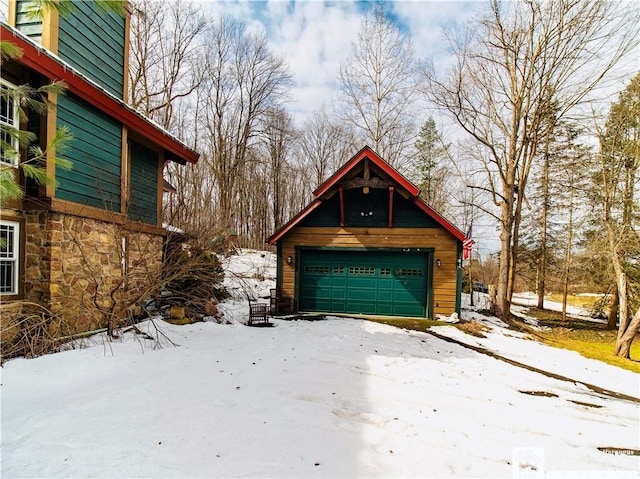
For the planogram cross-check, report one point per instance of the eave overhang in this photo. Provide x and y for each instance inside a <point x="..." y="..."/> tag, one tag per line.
<point x="53" y="68"/>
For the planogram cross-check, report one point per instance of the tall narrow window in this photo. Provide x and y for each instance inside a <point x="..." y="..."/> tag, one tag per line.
<point x="9" y="124"/>
<point x="9" y="257"/>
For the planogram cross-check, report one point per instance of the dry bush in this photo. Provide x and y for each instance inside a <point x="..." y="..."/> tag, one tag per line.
<point x="28" y="329"/>
<point x="473" y="328"/>
<point x="192" y="278"/>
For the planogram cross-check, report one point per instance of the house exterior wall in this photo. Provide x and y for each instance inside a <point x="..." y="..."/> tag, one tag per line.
<point x="93" y="41"/>
<point x="28" y="24"/>
<point x="444" y="244"/>
<point x="74" y="266"/>
<point x="95" y="153"/>
<point x="143" y="203"/>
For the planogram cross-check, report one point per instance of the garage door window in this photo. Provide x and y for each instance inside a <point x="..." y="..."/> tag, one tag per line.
<point x="409" y="272"/>
<point x="338" y="270"/>
<point x="385" y="271"/>
<point x="313" y="269"/>
<point x="362" y="271"/>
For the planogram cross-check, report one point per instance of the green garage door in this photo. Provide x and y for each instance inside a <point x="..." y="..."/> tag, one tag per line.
<point x="363" y="282"/>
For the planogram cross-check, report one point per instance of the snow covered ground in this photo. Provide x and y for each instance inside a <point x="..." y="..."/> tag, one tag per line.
<point x="333" y="398"/>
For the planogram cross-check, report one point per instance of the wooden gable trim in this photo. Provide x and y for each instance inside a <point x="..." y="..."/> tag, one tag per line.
<point x="294" y="221"/>
<point x="364" y="153"/>
<point x="46" y="64"/>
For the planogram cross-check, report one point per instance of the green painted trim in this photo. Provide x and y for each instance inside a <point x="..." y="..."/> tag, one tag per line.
<point x="279" y="266"/>
<point x="459" y="271"/>
<point x="429" y="308"/>
<point x="296" y="267"/>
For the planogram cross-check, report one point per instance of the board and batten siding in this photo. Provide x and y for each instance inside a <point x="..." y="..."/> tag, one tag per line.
<point x="444" y="244"/>
<point x="28" y="24"/>
<point x="143" y="202"/>
<point x="93" y="41"/>
<point x="95" y="153"/>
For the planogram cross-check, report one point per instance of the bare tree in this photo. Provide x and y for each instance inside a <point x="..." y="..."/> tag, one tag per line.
<point x="277" y="144"/>
<point x="513" y="66"/>
<point x="245" y="81"/>
<point x="325" y="145"/>
<point x="163" y="65"/>
<point x="378" y="85"/>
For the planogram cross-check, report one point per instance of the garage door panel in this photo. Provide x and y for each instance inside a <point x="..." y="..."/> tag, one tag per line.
<point x="364" y="282"/>
<point x="359" y="294"/>
<point x="385" y="295"/>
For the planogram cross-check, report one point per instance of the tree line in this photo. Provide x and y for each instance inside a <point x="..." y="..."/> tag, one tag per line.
<point x="535" y="149"/>
<point x="542" y="144"/>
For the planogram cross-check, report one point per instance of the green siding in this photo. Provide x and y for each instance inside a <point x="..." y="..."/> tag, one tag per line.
<point x="92" y="41"/>
<point x="28" y="24"/>
<point x="95" y="152"/>
<point x="379" y="282"/>
<point x="369" y="211"/>
<point x="407" y="215"/>
<point x="144" y="184"/>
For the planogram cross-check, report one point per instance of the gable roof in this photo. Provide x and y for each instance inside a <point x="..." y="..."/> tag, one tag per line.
<point x="41" y="60"/>
<point x="366" y="152"/>
<point x="343" y="171"/>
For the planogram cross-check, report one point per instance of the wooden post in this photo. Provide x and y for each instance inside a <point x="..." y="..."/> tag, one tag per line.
<point x="341" y="193"/>
<point x="390" y="224"/>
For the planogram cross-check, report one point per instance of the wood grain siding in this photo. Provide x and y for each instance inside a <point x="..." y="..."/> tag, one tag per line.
<point x="93" y="41"/>
<point x="143" y="183"/>
<point x="443" y="243"/>
<point x="28" y="24"/>
<point x="95" y="151"/>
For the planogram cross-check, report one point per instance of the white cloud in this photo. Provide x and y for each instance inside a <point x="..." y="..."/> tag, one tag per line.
<point x="315" y="37"/>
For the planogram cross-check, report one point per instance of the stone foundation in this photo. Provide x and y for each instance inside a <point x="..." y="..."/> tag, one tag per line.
<point x="87" y="271"/>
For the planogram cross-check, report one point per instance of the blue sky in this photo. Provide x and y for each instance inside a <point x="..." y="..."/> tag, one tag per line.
<point x="316" y="36"/>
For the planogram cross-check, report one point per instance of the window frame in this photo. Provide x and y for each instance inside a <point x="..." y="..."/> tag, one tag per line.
<point x="16" y="125"/>
<point x="15" y="257"/>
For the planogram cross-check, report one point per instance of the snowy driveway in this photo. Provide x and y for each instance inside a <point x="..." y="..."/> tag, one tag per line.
<point x="334" y="398"/>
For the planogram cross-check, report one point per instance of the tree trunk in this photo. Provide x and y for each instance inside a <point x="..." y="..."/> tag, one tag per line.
<point x="542" y="260"/>
<point x="612" y="318"/>
<point x="567" y="257"/>
<point x="503" y="300"/>
<point x="623" y="302"/>
<point x="623" y="344"/>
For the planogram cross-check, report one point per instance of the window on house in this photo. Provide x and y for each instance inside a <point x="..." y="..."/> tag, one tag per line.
<point x="9" y="120"/>
<point x="9" y="257"/>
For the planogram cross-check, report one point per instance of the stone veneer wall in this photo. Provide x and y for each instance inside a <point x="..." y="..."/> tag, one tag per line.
<point x="74" y="266"/>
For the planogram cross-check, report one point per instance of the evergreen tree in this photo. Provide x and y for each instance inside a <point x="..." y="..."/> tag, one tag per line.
<point x="431" y="171"/>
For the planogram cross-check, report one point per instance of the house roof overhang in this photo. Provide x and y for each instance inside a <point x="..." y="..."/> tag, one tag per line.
<point x="39" y="59"/>
<point x="333" y="182"/>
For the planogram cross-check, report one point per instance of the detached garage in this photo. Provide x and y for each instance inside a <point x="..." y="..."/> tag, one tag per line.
<point x="369" y="245"/>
